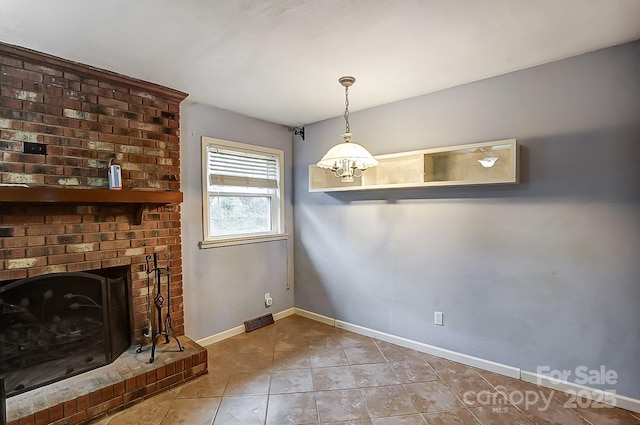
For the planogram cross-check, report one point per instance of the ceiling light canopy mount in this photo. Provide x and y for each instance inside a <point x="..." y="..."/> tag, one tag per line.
<point x="347" y="160"/>
<point x="346" y="81"/>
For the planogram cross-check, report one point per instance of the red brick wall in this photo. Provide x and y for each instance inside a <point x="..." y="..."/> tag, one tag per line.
<point x="87" y="117"/>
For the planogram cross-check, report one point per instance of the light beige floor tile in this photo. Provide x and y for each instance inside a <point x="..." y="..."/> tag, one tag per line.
<point x="433" y="396"/>
<point x="608" y="416"/>
<point x="458" y="417"/>
<point x="253" y="361"/>
<point x="233" y="360"/>
<point x="258" y="345"/>
<point x="556" y="414"/>
<point x="149" y="412"/>
<point x="400" y="420"/>
<point x="291" y="381"/>
<point x="315" y="329"/>
<point x="325" y="357"/>
<point x="192" y="411"/>
<point x="241" y="383"/>
<point x="477" y="392"/>
<point x="500" y="415"/>
<point x="354" y="422"/>
<point x="333" y="378"/>
<point x="391" y="400"/>
<point x="170" y="394"/>
<point x="340" y="405"/>
<point x="210" y="385"/>
<point x="221" y="362"/>
<point x="295" y="359"/>
<point x="324" y="341"/>
<point x="286" y="409"/>
<point x="410" y="372"/>
<point x="395" y="353"/>
<point x="363" y="354"/>
<point x="515" y="389"/>
<point x="371" y="375"/>
<point x="350" y="339"/>
<point x="242" y="410"/>
<point x="290" y="342"/>
<point x="225" y="346"/>
<point x="450" y="370"/>
<point x="495" y="378"/>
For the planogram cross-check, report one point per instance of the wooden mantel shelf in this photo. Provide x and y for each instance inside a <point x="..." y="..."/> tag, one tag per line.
<point x="61" y="195"/>
<point x="37" y="195"/>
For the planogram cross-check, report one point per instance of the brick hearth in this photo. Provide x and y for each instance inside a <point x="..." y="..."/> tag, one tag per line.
<point x="111" y="388"/>
<point x="86" y="117"/>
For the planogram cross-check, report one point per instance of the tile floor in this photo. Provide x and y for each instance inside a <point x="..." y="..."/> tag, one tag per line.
<point x="299" y="371"/>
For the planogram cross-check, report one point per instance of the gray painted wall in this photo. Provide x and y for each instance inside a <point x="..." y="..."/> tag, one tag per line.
<point x="544" y="273"/>
<point x="225" y="286"/>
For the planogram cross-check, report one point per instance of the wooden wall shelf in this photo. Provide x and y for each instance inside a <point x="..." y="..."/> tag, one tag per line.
<point x="473" y="164"/>
<point x="61" y="195"/>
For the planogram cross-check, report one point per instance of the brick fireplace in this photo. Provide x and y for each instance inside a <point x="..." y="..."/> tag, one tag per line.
<point x="87" y="117"/>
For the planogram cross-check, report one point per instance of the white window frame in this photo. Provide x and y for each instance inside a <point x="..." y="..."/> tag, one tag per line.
<point x="277" y="205"/>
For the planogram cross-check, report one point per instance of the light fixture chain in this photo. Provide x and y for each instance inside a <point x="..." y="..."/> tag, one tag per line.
<point x="347" y="160"/>
<point x="346" y="107"/>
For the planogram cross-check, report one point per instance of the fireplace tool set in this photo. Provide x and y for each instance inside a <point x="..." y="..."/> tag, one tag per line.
<point x="162" y="326"/>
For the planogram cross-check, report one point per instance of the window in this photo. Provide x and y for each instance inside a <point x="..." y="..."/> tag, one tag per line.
<point x="242" y="186"/>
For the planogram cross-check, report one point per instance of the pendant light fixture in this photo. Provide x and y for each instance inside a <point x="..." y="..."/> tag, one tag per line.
<point x="347" y="160"/>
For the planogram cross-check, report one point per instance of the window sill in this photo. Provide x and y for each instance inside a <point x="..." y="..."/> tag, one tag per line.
<point x="243" y="240"/>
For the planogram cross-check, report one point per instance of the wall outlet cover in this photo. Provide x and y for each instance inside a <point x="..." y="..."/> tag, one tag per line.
<point x="34" y="148"/>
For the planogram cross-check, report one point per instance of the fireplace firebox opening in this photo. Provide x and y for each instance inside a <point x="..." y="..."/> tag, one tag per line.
<point x="58" y="325"/>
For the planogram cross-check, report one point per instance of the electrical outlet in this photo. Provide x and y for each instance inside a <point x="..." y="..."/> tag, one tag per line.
<point x="34" y="148"/>
<point x="438" y="318"/>
<point x="268" y="301"/>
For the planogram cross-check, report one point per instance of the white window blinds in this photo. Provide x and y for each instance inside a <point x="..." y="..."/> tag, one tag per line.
<point x="235" y="168"/>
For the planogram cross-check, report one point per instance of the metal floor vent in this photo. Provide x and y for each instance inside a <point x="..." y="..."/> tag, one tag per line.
<point x="258" y="322"/>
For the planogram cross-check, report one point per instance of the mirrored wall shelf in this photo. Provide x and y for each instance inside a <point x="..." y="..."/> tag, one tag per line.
<point x="474" y="164"/>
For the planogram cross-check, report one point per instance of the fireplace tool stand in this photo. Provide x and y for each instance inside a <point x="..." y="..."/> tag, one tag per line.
<point x="163" y="326"/>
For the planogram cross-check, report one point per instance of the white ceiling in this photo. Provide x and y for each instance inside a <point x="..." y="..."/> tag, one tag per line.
<point x="280" y="60"/>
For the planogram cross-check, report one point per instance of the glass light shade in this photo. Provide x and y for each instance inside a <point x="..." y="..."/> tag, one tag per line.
<point x="488" y="162"/>
<point x="353" y="153"/>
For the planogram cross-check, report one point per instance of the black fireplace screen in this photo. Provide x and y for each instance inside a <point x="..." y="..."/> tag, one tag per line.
<point x="62" y="324"/>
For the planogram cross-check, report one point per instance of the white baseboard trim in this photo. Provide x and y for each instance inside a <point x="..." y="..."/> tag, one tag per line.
<point x="582" y="391"/>
<point x="617" y="400"/>
<point x="284" y="313"/>
<point x="315" y="316"/>
<point x="220" y="336"/>
<point x="433" y="350"/>
<point x="595" y="394"/>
